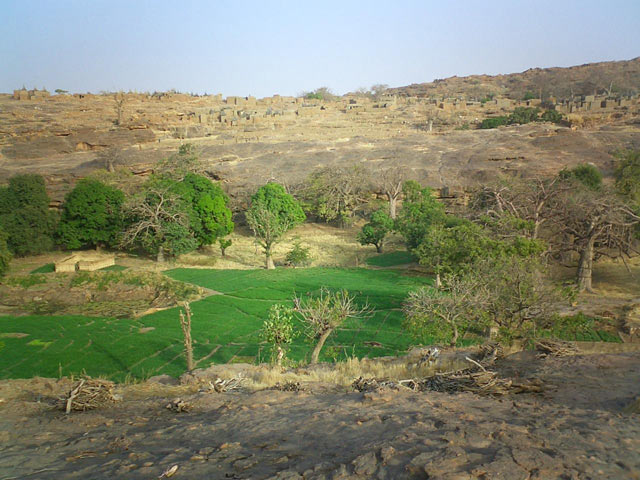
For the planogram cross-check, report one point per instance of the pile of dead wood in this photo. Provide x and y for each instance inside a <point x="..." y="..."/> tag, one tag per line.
<point x="555" y="348"/>
<point x="480" y="382"/>
<point x="288" y="387"/>
<point x="475" y="379"/>
<point x="89" y="394"/>
<point x="179" y="405"/>
<point x="220" y="386"/>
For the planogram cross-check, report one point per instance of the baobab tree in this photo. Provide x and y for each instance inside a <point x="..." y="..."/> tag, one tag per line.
<point x="599" y="223"/>
<point x="390" y="182"/>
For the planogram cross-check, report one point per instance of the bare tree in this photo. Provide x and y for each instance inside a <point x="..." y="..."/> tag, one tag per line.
<point x="391" y="181"/>
<point x="111" y="158"/>
<point x="153" y="213"/>
<point x="119" y="100"/>
<point x="185" y="323"/>
<point x="531" y="199"/>
<point x="453" y="307"/>
<point x="599" y="224"/>
<point x="324" y="313"/>
<point x="337" y="192"/>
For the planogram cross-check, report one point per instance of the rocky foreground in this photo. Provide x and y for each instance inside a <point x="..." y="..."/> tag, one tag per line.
<point x="580" y="427"/>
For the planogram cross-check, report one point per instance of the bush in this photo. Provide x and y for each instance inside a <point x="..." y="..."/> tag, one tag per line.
<point x="493" y="122"/>
<point x="551" y="116"/>
<point x="278" y="331"/>
<point x="298" y="256"/>
<point x="587" y="174"/>
<point x="523" y="115"/>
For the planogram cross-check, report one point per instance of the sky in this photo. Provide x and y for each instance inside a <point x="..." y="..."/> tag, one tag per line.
<point x="264" y="47"/>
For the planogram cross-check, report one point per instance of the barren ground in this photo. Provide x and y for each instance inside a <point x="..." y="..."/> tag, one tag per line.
<point x="575" y="429"/>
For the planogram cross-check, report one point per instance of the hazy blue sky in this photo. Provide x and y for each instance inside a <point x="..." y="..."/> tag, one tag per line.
<point x="265" y="47"/>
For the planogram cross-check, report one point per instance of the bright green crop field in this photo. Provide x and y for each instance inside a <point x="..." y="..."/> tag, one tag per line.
<point x="225" y="326"/>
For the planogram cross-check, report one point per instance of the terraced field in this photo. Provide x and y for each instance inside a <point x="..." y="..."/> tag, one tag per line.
<point x="225" y="326"/>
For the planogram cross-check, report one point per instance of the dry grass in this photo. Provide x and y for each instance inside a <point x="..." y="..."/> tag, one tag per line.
<point x="341" y="374"/>
<point x="328" y="246"/>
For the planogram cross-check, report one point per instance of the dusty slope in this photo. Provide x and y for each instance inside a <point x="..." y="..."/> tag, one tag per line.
<point x="575" y="430"/>
<point x="621" y="76"/>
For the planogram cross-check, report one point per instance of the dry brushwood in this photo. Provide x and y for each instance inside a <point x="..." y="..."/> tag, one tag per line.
<point x="220" y="386"/>
<point x="178" y="405"/>
<point x="89" y="394"/>
<point x="364" y="385"/>
<point x="555" y="348"/>
<point x="288" y="387"/>
<point x="476" y="379"/>
<point x="489" y="353"/>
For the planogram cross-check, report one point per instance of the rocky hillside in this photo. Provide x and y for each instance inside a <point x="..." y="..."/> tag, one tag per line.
<point x="619" y="78"/>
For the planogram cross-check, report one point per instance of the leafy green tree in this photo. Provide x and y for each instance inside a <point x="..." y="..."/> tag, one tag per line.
<point x="455" y="247"/>
<point x="529" y="96"/>
<point x="224" y="244"/>
<point x="272" y="213"/>
<point x="91" y="215"/>
<point x="5" y="254"/>
<point x="587" y="174"/>
<point x="374" y="232"/>
<point x="25" y="216"/>
<point x="420" y="210"/>
<point x="211" y="218"/>
<point x="278" y="330"/>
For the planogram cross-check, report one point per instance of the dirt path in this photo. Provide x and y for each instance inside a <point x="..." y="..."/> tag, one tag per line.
<point x="575" y="430"/>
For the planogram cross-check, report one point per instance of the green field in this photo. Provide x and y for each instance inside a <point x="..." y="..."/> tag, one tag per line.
<point x="392" y="259"/>
<point x="225" y="326"/>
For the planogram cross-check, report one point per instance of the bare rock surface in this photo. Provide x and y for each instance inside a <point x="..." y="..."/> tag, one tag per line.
<point x="576" y="429"/>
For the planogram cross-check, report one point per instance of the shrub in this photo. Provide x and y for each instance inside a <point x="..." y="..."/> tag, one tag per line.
<point x="587" y="174"/>
<point x="523" y="115"/>
<point x="493" y="122"/>
<point x="299" y="255"/>
<point x="552" y="116"/>
<point x="278" y="331"/>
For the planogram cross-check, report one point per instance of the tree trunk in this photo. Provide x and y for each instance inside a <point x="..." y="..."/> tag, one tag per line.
<point x="379" y="247"/>
<point x="269" y="261"/>
<point x="438" y="281"/>
<point x="454" y="339"/>
<point x="160" y="255"/>
<point x="392" y="206"/>
<point x="280" y="356"/>
<point x="585" y="267"/>
<point x="316" y="351"/>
